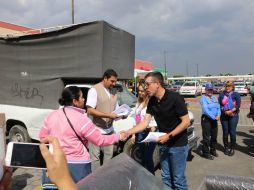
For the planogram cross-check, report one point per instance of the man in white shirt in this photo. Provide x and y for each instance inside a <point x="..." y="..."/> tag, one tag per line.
<point x="100" y="106"/>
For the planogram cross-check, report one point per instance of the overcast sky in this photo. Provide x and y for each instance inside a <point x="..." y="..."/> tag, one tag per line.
<point x="215" y="36"/>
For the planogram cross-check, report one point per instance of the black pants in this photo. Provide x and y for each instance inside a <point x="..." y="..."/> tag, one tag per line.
<point x="252" y="104"/>
<point x="209" y="132"/>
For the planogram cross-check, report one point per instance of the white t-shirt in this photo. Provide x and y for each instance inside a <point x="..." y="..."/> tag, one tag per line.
<point x="139" y="110"/>
<point x="92" y="102"/>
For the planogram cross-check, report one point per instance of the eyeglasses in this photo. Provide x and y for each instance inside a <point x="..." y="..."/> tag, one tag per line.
<point x="147" y="84"/>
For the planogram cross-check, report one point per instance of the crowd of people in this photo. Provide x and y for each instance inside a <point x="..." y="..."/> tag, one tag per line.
<point x="78" y="139"/>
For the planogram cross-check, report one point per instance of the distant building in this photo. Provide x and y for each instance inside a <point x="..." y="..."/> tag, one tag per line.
<point x="8" y="29"/>
<point x="143" y="65"/>
<point x="141" y="68"/>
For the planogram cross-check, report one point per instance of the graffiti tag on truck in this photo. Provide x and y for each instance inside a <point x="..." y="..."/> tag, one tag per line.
<point x="27" y="93"/>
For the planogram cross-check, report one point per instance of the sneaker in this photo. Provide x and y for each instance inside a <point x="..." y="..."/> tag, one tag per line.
<point x="231" y="152"/>
<point x="226" y="151"/>
<point x="208" y="156"/>
<point x="214" y="153"/>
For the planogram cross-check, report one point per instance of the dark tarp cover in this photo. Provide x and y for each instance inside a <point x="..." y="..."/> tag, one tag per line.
<point x="220" y="182"/>
<point x="121" y="173"/>
<point x="34" y="68"/>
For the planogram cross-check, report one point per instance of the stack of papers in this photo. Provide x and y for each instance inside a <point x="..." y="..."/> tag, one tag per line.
<point x="152" y="137"/>
<point x="123" y="110"/>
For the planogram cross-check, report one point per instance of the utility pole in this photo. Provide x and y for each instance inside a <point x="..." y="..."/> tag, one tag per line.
<point x="72" y="13"/>
<point x="165" y="65"/>
<point x="187" y="69"/>
<point x="197" y="71"/>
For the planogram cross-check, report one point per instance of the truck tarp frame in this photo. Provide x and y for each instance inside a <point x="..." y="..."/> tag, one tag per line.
<point x="34" y="68"/>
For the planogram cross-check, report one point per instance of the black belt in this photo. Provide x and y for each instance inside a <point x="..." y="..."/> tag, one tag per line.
<point x="206" y="117"/>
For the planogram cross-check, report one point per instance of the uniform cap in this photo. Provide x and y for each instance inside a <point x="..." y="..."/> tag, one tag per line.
<point x="208" y="86"/>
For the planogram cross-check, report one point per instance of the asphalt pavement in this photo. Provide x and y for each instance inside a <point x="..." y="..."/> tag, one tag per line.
<point x="241" y="164"/>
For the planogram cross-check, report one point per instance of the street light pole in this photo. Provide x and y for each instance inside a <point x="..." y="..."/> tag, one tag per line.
<point x="187" y="68"/>
<point x="197" y="71"/>
<point x="72" y="13"/>
<point x="165" y="65"/>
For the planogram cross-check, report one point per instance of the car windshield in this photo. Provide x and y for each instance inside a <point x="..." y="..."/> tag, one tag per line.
<point x="180" y="83"/>
<point x="240" y="84"/>
<point x="218" y="85"/>
<point x="189" y="84"/>
<point x="124" y="96"/>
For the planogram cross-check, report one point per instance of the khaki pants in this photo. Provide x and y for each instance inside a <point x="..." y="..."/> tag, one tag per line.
<point x="95" y="153"/>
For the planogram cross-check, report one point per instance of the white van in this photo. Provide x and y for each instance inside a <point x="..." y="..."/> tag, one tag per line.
<point x="191" y="88"/>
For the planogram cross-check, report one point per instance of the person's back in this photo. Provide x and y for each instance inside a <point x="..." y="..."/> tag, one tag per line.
<point x="73" y="129"/>
<point x="58" y="126"/>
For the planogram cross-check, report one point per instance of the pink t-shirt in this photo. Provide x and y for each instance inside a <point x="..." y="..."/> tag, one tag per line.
<point x="57" y="125"/>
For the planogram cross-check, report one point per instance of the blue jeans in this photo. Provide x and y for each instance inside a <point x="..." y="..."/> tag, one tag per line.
<point x="173" y="165"/>
<point x="78" y="171"/>
<point x="229" y="125"/>
<point x="146" y="150"/>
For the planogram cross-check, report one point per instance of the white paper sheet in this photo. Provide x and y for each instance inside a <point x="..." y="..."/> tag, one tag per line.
<point x="152" y="137"/>
<point x="123" y="110"/>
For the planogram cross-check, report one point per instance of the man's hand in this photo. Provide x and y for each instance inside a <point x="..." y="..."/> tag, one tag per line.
<point x="164" y="138"/>
<point x="57" y="167"/>
<point x="133" y="139"/>
<point x="217" y="118"/>
<point x="113" y="116"/>
<point x="124" y="116"/>
<point x="123" y="136"/>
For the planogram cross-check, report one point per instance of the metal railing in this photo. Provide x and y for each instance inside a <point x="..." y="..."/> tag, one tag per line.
<point x="34" y="31"/>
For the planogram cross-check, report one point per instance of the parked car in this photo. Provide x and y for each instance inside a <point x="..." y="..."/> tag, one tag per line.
<point x="168" y="86"/>
<point x="241" y="88"/>
<point x="248" y="84"/>
<point x="203" y="88"/>
<point x="190" y="88"/>
<point x="218" y="88"/>
<point x="176" y="86"/>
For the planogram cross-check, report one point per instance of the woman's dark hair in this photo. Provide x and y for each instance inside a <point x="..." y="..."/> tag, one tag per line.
<point x="68" y="94"/>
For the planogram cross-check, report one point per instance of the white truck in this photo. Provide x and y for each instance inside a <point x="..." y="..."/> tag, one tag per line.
<point x="36" y="68"/>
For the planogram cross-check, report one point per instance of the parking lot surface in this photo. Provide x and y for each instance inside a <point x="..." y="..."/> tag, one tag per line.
<point x="241" y="164"/>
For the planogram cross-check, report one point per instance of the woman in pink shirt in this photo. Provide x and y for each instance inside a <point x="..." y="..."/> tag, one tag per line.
<point x="56" y="124"/>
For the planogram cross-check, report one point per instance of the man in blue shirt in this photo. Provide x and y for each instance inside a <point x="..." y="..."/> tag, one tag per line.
<point x="210" y="115"/>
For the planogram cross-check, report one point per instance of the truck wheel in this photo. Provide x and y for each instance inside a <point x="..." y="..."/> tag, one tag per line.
<point x="19" y="134"/>
<point x="132" y="150"/>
